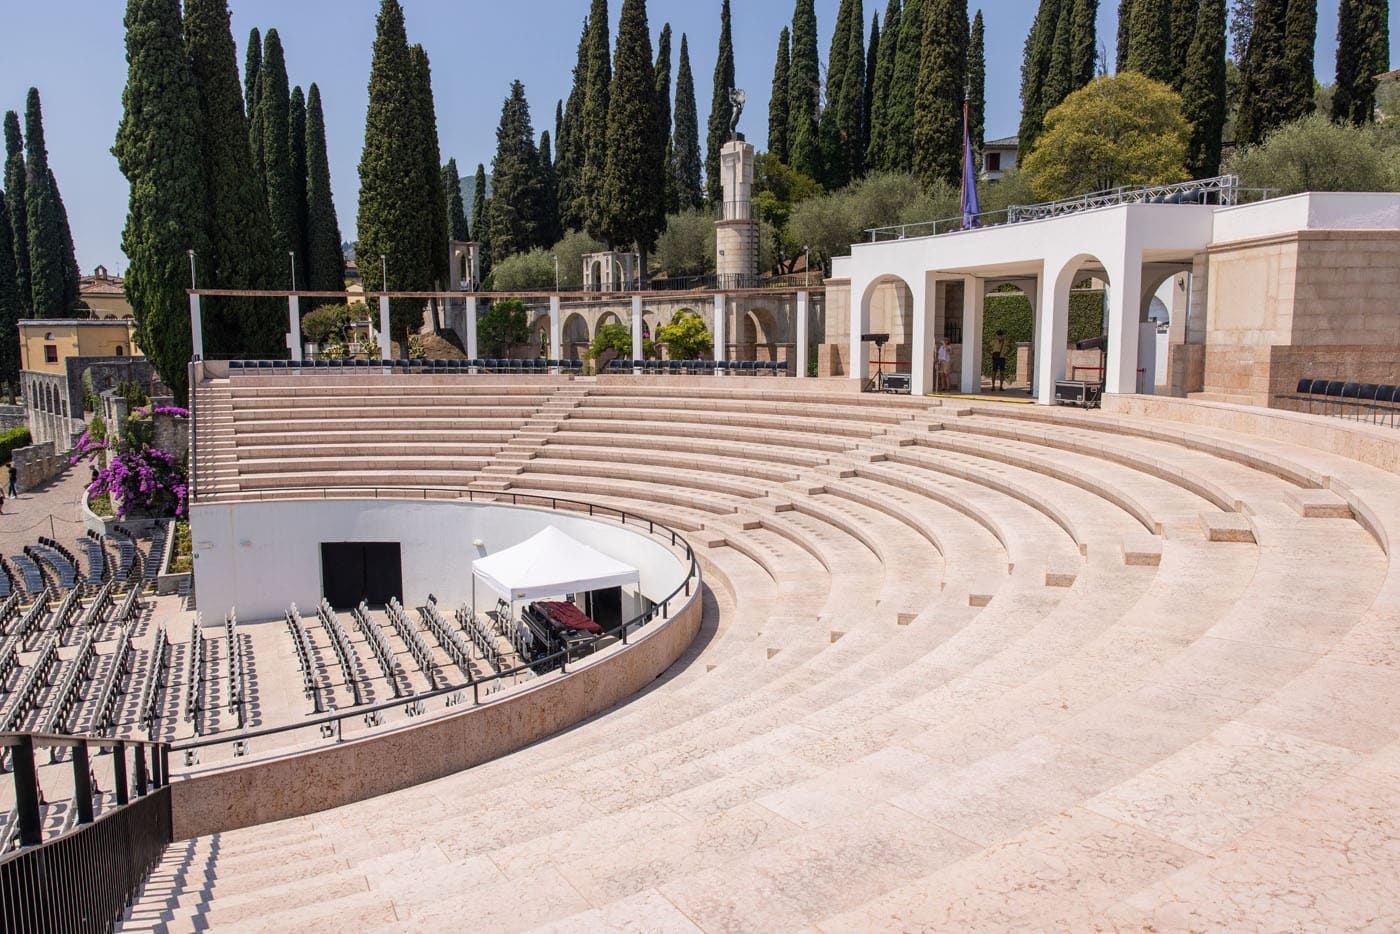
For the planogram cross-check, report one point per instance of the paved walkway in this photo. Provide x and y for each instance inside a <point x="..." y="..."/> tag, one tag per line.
<point x="53" y="509"/>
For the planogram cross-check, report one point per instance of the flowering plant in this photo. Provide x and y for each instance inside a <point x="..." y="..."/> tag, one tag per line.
<point x="146" y="479"/>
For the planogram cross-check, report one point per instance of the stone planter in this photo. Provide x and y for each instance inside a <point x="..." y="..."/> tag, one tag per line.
<point x="102" y="525"/>
<point x="168" y="581"/>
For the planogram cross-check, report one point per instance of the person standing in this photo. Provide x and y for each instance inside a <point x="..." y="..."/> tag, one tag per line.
<point x="14" y="478"/>
<point x="942" y="363"/>
<point x="999" y="347"/>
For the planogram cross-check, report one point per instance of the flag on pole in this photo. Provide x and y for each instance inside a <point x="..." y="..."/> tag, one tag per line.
<point x="970" y="206"/>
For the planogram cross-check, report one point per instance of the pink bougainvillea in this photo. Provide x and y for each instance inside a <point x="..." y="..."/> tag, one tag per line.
<point x="138" y="477"/>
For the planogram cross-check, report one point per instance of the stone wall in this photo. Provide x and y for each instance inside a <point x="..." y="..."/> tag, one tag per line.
<point x="1313" y="303"/>
<point x="13" y="416"/>
<point x="37" y="464"/>
<point x="172" y="434"/>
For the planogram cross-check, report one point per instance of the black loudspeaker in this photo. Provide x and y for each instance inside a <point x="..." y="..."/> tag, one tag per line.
<point x="879" y="340"/>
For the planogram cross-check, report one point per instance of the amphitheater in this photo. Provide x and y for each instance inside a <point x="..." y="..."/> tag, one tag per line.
<point x="954" y="665"/>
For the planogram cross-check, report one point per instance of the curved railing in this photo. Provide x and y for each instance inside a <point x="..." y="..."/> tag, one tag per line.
<point x="332" y="726"/>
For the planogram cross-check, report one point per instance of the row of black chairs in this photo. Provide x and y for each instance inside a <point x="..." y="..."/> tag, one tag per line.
<point x="1381" y="401"/>
<point x="532" y="365"/>
<point x="690" y="367"/>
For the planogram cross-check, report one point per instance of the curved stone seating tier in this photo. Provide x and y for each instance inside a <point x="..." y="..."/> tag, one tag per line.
<point x="963" y="666"/>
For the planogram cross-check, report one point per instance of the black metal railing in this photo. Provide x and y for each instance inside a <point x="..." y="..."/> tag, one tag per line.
<point x="477" y="690"/>
<point x="84" y="876"/>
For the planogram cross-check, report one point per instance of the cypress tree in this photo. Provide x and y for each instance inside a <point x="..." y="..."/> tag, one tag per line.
<point x="456" y="208"/>
<point x="878" y="156"/>
<point x="238" y="253"/>
<point x="157" y="149"/>
<point x="1125" y="34"/>
<point x="1265" y="82"/>
<point x="1300" y="37"/>
<point x="663" y="117"/>
<point x="46" y="264"/>
<point x="18" y="229"/>
<point x="1241" y="28"/>
<point x="804" y="93"/>
<point x="938" y="119"/>
<point x="1150" y="47"/>
<point x="433" y="255"/>
<point x="685" y="143"/>
<point x="850" y="104"/>
<point x="872" y="65"/>
<point x="550" y="230"/>
<point x="1058" y="76"/>
<point x="1363" y="51"/>
<point x="273" y="118"/>
<point x="395" y="217"/>
<point x="840" y="123"/>
<point x="594" y="128"/>
<point x="904" y="87"/>
<point x="67" y="253"/>
<point x="480" y="205"/>
<point x="325" y="263"/>
<point x="1084" y="40"/>
<point x="10" y="312"/>
<point x="1183" y="29"/>
<point x="513" y="212"/>
<point x="252" y="64"/>
<point x="778" y="101"/>
<point x="296" y="147"/>
<point x="1035" y="68"/>
<point x="721" y="108"/>
<point x="569" y="144"/>
<point x="634" y="183"/>
<point x="1203" y="91"/>
<point x="977" y="81"/>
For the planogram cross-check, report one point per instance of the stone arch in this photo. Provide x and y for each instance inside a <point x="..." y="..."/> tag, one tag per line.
<point x="887" y="307"/>
<point x="758" y="333"/>
<point x="574" y="336"/>
<point x="1054" y="361"/>
<point x="607" y="317"/>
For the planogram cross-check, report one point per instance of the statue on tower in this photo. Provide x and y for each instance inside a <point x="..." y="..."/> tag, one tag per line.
<point x="737" y="97"/>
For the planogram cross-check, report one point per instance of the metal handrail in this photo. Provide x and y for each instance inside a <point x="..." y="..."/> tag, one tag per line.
<point x="1222" y="190"/>
<point x="561" y="658"/>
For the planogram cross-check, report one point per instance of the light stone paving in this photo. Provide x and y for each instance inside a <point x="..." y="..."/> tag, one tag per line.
<point x="970" y="667"/>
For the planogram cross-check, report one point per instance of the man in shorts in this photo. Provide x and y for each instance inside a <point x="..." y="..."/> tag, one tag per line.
<point x="999" y="347"/>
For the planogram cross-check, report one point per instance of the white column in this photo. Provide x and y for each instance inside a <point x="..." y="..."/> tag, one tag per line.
<point x="1051" y="332"/>
<point x="858" y="366"/>
<point x="196" y="329"/>
<point x="556" y="323"/>
<point x="921" y="305"/>
<point x="471" y="327"/>
<point x="294" y="327"/>
<point x="720" y="337"/>
<point x="1033" y="358"/>
<point x="1124" y="310"/>
<point x="386" y="351"/>
<point x="801" y="335"/>
<point x="974" y="303"/>
<point x="636" y="327"/>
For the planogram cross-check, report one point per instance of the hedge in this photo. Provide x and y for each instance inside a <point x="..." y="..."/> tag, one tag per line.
<point x="12" y="439"/>
<point x="1011" y="312"/>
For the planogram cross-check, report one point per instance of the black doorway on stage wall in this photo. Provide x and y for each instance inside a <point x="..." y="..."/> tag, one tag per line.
<point x="356" y="571"/>
<point x="604" y="607"/>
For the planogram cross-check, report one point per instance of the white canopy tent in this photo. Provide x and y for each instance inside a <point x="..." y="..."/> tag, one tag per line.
<point x="549" y="564"/>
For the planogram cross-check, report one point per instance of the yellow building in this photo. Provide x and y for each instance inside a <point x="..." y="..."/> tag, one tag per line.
<point x="104" y="294"/>
<point x="45" y="343"/>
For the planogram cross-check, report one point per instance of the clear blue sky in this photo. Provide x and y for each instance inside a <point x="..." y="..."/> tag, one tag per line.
<point x="73" y="51"/>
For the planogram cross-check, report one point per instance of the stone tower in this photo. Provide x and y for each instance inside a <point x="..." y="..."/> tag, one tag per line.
<point x="736" y="230"/>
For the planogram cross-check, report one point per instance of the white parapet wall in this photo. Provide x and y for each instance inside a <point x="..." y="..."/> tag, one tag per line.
<point x="261" y="557"/>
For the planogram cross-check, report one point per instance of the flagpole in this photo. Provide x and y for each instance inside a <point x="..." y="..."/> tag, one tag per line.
<point x="967" y="94"/>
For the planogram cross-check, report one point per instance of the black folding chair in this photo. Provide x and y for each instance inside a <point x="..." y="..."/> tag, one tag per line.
<point x="1387" y="401"/>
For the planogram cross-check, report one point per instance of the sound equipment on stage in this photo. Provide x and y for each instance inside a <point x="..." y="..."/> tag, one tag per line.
<point x="896" y="382"/>
<point x="1078" y="392"/>
<point x="876" y="383"/>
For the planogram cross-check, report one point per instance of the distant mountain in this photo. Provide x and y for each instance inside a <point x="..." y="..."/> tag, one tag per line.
<point x="469" y="194"/>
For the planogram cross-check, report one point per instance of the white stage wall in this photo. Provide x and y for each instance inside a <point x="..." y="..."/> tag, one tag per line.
<point x="262" y="557"/>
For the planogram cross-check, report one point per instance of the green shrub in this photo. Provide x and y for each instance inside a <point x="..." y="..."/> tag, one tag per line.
<point x="686" y="337"/>
<point x="182" y="558"/>
<point x="13" y="439"/>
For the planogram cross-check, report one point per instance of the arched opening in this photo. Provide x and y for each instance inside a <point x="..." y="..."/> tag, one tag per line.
<point x="887" y="307"/>
<point x="1076" y="339"/>
<point x="758" y="335"/>
<point x="605" y="318"/>
<point x="575" y="336"/>
<point x="595" y="277"/>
